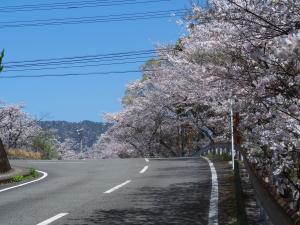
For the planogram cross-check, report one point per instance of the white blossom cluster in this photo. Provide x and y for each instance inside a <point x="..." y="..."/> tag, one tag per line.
<point x="17" y="128"/>
<point x="65" y="149"/>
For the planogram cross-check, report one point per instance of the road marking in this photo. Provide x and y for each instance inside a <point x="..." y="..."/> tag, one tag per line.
<point x="214" y="196"/>
<point x="144" y="169"/>
<point x="56" y="162"/>
<point x="147" y="160"/>
<point x="117" y="187"/>
<point x="52" y="219"/>
<point x="175" y="158"/>
<point x="33" y="181"/>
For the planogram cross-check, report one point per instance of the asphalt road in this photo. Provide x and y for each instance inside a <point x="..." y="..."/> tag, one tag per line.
<point x="114" y="192"/>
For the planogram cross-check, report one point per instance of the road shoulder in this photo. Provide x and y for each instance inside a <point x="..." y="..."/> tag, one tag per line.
<point x="227" y="200"/>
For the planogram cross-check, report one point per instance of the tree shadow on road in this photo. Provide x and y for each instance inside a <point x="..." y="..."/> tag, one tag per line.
<point x="183" y="204"/>
<point x="183" y="200"/>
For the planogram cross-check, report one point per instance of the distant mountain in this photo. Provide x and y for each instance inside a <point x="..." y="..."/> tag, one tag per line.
<point x="63" y="129"/>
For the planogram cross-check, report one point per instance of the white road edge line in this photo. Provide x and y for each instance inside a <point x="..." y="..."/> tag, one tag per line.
<point x="33" y="181"/>
<point x="52" y="219"/>
<point x="144" y="169"/>
<point x="56" y="162"/>
<point x="214" y="197"/>
<point x="147" y="160"/>
<point x="117" y="187"/>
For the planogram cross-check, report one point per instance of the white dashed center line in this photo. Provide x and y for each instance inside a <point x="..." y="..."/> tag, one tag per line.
<point x="147" y="160"/>
<point x="117" y="187"/>
<point x="52" y="219"/>
<point x="144" y="169"/>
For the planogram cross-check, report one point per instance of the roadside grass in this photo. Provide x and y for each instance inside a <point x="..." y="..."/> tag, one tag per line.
<point x="19" y="178"/>
<point x="228" y="208"/>
<point x="33" y="173"/>
<point x="23" y="154"/>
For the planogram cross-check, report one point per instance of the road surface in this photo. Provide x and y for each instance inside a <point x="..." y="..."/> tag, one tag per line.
<point x="114" y="192"/>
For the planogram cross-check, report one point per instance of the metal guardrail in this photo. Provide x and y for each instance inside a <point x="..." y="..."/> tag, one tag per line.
<point x="277" y="211"/>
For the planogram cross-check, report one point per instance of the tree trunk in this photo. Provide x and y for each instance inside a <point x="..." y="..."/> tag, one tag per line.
<point x="4" y="163"/>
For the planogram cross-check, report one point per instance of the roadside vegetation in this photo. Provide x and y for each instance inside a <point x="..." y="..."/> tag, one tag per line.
<point x="19" y="178"/>
<point x="45" y="144"/>
<point x="23" y="138"/>
<point x="23" y="154"/>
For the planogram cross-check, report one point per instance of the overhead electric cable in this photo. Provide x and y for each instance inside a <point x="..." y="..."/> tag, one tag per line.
<point x="108" y="55"/>
<point x="100" y="17"/>
<point x="94" y="19"/>
<point x="76" y="74"/>
<point x="82" y="61"/>
<point x="73" y="5"/>
<point x="72" y="66"/>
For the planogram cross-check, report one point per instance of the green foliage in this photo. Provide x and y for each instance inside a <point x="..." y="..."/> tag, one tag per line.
<point x="144" y="78"/>
<point x="179" y="45"/>
<point x="130" y="95"/>
<point x="152" y="63"/>
<point x="44" y="143"/>
<point x="17" y="178"/>
<point x="33" y="173"/>
<point x="127" y="99"/>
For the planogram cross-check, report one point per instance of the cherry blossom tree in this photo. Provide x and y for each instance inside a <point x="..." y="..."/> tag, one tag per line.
<point x="106" y="147"/>
<point x="66" y="149"/>
<point x="16" y="127"/>
<point x="248" y="51"/>
<point x="260" y="42"/>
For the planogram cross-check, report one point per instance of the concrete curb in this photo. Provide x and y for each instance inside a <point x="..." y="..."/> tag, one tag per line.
<point x="5" y="177"/>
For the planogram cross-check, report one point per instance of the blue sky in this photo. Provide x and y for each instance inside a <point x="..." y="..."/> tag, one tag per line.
<point x="79" y="98"/>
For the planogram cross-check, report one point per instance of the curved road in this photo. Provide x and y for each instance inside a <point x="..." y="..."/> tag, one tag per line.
<point x="114" y="192"/>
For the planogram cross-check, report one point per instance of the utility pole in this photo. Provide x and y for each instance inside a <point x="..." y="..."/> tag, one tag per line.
<point x="232" y="133"/>
<point x="80" y="133"/>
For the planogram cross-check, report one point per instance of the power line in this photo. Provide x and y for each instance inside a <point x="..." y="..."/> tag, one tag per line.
<point x="100" y="17"/>
<point x="82" y="57"/>
<point x="74" y="66"/>
<point x="94" y="19"/>
<point x="73" y="5"/>
<point x="82" y="61"/>
<point x="77" y="74"/>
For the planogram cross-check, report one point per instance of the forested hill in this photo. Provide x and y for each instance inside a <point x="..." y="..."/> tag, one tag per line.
<point x="64" y="129"/>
